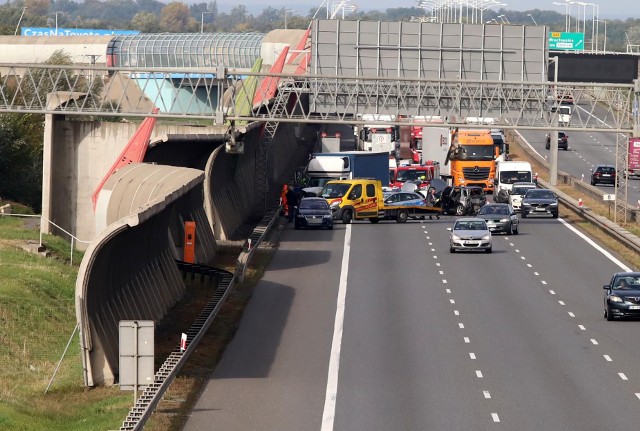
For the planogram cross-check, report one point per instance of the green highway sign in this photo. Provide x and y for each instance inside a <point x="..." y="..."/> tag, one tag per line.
<point x="561" y="41"/>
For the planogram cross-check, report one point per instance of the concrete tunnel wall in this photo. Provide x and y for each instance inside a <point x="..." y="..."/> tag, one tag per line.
<point x="77" y="154"/>
<point x="129" y="271"/>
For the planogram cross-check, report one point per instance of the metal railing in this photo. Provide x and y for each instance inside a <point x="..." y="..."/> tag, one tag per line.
<point x="73" y="238"/>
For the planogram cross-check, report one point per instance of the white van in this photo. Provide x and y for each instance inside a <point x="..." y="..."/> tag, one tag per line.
<point x="564" y="114"/>
<point x="507" y="173"/>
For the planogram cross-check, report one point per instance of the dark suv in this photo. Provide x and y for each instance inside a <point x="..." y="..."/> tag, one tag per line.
<point x="462" y="200"/>
<point x="563" y="141"/>
<point x="603" y="174"/>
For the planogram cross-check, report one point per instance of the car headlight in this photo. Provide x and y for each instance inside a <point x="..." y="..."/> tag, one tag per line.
<point x="614" y="298"/>
<point x="504" y="220"/>
<point x="327" y="216"/>
<point x="525" y="204"/>
<point x="486" y="237"/>
<point x="334" y="205"/>
<point x="555" y="204"/>
<point x="455" y="237"/>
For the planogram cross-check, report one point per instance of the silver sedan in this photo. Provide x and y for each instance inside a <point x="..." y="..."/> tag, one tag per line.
<point x="469" y="233"/>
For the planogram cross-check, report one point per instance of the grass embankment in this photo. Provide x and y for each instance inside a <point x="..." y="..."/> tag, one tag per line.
<point x="37" y="319"/>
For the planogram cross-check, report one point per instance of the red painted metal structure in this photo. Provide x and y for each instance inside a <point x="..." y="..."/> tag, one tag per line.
<point x="133" y="153"/>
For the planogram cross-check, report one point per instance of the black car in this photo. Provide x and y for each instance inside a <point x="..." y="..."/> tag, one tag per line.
<point x="563" y="141"/>
<point x="313" y="212"/>
<point x="500" y="218"/>
<point x="462" y="200"/>
<point x="603" y="174"/>
<point x="622" y="296"/>
<point x="539" y="202"/>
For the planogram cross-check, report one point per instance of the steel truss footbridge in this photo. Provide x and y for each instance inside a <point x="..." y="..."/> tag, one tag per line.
<point x="212" y="95"/>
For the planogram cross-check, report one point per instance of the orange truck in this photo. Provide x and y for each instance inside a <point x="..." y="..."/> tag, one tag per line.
<point x="472" y="158"/>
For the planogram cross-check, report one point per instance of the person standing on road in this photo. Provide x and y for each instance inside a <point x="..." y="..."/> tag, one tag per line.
<point x="292" y="202"/>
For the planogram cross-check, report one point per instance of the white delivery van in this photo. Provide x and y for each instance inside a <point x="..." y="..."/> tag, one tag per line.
<point x="564" y="114"/>
<point x="507" y="173"/>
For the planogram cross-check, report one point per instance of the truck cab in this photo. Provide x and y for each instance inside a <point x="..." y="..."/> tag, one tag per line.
<point x="422" y="173"/>
<point x="472" y="158"/>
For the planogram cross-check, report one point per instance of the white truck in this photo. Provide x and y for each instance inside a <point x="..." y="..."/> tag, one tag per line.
<point x="436" y="142"/>
<point x="377" y="137"/>
<point x="507" y="173"/>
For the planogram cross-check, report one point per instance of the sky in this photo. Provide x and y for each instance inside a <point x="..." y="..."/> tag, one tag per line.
<point x="620" y="9"/>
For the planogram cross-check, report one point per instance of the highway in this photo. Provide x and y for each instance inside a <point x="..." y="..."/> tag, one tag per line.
<point x="586" y="149"/>
<point x="379" y="327"/>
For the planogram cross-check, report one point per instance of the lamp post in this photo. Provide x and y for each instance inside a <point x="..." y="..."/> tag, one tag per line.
<point x="20" y="20"/>
<point x="285" y="16"/>
<point x="604" y="45"/>
<point x="531" y="16"/>
<point x="567" y="19"/>
<point x="202" y="21"/>
<point x="504" y="19"/>
<point x="57" y="21"/>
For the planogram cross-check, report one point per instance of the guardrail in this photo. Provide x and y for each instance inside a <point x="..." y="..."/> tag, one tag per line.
<point x="146" y="404"/>
<point x="614" y="230"/>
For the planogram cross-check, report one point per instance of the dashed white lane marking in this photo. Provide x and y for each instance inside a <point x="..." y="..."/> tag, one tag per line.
<point x="511" y="244"/>
<point x="536" y="273"/>
<point x="529" y="265"/>
<point x="594" y="341"/>
<point x="552" y="292"/>
<point x="571" y="314"/>
<point x="495" y="417"/>
<point x="486" y="394"/>
<point x="582" y="328"/>
<point x="479" y="374"/>
<point x="435" y="257"/>
<point x="456" y="313"/>
<point x="517" y="251"/>
<point x="523" y="258"/>
<point x="441" y="272"/>
<point x="638" y="395"/>
<point x="444" y="281"/>
<point x="607" y="358"/>
<point x="452" y="301"/>
<point x="622" y="376"/>
<point x="543" y="282"/>
<point x="561" y="303"/>
<point x="437" y="263"/>
<point x="472" y="355"/>
<point x="433" y="249"/>
<point x="461" y="325"/>
<point x="448" y="290"/>
<point x="467" y="340"/>
<point x="430" y="243"/>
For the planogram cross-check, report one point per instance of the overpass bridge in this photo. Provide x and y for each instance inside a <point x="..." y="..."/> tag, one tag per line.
<point x="239" y="143"/>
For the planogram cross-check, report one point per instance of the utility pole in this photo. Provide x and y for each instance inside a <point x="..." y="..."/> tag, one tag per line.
<point x="553" y="134"/>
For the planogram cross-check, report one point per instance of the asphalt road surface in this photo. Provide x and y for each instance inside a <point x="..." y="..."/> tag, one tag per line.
<point x="379" y="327"/>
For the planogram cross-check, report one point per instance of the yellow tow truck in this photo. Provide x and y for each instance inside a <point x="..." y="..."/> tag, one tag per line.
<point x="361" y="199"/>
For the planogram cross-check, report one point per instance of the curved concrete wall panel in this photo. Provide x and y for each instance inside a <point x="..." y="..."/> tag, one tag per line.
<point x="129" y="271"/>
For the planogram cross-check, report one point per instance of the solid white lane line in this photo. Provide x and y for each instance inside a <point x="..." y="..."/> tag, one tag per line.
<point x="467" y="340"/>
<point x="472" y="355"/>
<point x="571" y="314"/>
<point x="329" y="412"/>
<point x="596" y="246"/>
<point x="479" y="374"/>
<point x="622" y="376"/>
<point x="582" y="328"/>
<point x="486" y="394"/>
<point x="607" y="358"/>
<point x="495" y="417"/>
<point x="461" y="325"/>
